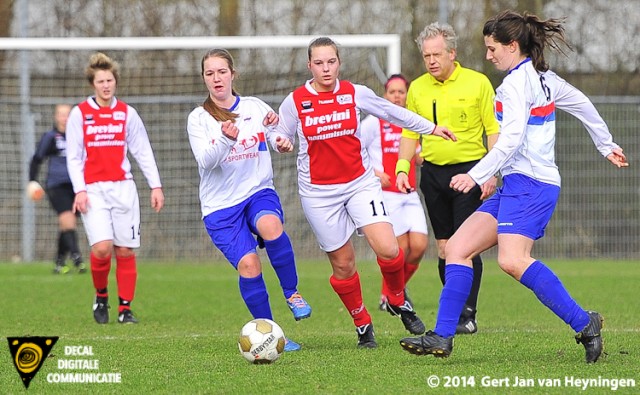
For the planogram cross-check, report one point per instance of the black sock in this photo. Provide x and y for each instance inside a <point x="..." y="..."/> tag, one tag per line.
<point x="441" y="264"/>
<point x="472" y="300"/>
<point x="62" y="249"/>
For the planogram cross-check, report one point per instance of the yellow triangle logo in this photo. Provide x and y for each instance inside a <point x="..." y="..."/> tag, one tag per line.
<point x="29" y="353"/>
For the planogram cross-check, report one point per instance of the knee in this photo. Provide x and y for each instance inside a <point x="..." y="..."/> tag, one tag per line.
<point x="101" y="250"/>
<point x="249" y="266"/>
<point x="414" y="256"/>
<point x="124" y="252"/>
<point x="343" y="268"/>
<point x="269" y="227"/>
<point x="388" y="252"/>
<point x="511" y="265"/>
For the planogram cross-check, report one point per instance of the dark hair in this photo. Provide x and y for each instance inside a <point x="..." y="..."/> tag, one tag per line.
<point x="530" y="32"/>
<point x="397" y="77"/>
<point x="323" y="42"/>
<point x="218" y="113"/>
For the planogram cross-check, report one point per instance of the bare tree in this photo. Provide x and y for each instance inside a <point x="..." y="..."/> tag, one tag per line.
<point x="6" y="16"/>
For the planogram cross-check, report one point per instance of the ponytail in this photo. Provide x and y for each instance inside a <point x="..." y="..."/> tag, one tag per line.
<point x="530" y="32"/>
<point x="219" y="114"/>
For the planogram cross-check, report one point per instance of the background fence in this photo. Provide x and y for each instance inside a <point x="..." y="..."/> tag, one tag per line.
<point x="597" y="214"/>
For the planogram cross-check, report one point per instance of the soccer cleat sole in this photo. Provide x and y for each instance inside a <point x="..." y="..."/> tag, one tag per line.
<point x="302" y="317"/>
<point x="417" y="350"/>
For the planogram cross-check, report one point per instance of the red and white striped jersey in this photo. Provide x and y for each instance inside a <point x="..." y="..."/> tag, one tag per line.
<point x="382" y="141"/>
<point x="98" y="140"/>
<point x="332" y="159"/>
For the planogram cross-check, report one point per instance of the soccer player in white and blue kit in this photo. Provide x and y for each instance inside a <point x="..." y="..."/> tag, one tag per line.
<point x="518" y="213"/>
<point x="240" y="207"/>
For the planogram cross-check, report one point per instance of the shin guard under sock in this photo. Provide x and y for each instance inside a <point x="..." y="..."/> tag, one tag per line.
<point x="280" y="252"/>
<point x="458" y="280"/>
<point x="254" y="293"/>
<point x="350" y="293"/>
<point x="551" y="292"/>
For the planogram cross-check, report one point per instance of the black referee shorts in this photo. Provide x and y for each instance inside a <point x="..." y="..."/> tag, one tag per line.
<point x="447" y="208"/>
<point x="61" y="197"/>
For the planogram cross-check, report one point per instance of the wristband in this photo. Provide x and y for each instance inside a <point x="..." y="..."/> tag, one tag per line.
<point x="403" y="166"/>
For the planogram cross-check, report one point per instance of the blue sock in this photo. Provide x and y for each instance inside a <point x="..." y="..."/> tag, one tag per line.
<point x="280" y="252"/>
<point x="254" y="293"/>
<point x="550" y="291"/>
<point x="457" y="285"/>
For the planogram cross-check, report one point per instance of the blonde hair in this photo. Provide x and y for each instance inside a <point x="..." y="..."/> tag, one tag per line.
<point x="99" y="61"/>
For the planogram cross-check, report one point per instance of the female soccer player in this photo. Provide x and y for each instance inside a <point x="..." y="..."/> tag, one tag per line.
<point x="100" y="132"/>
<point x="53" y="145"/>
<point x="228" y="136"/>
<point x="338" y="188"/>
<point x="382" y="139"/>
<point x="518" y="213"/>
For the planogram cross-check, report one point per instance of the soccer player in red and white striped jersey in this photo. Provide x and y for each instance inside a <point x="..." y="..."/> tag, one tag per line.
<point x="100" y="132"/>
<point x="338" y="188"/>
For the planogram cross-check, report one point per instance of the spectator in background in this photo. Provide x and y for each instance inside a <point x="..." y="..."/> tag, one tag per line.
<point x="100" y="132"/>
<point x="519" y="212"/>
<point x="462" y="100"/>
<point x="228" y="136"/>
<point x="338" y="188"/>
<point x="53" y="145"/>
<point x="381" y="139"/>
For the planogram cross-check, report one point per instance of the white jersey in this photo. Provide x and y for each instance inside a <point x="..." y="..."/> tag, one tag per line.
<point x="525" y="107"/>
<point x="111" y="133"/>
<point x="231" y="171"/>
<point x="370" y="127"/>
<point x="332" y="160"/>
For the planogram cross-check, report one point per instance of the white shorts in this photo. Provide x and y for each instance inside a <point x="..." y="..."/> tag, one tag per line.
<point x="334" y="219"/>
<point x="406" y="212"/>
<point x="113" y="214"/>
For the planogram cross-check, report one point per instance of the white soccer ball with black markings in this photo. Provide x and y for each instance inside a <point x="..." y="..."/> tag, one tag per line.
<point x="261" y="341"/>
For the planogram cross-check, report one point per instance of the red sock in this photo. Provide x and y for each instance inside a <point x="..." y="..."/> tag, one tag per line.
<point x="126" y="275"/>
<point x="385" y="289"/>
<point x="350" y="293"/>
<point x="409" y="270"/>
<point x="393" y="276"/>
<point x="100" y="268"/>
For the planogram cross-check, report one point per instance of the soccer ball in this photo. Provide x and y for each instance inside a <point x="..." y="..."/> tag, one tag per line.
<point x="261" y="341"/>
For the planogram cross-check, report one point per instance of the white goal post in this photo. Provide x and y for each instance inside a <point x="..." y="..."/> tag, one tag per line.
<point x="390" y="41"/>
<point x="31" y="94"/>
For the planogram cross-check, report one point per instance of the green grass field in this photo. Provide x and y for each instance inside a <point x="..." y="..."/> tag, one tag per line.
<point x="191" y="315"/>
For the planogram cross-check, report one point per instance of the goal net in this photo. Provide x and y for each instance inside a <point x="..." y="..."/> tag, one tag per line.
<point x="160" y="77"/>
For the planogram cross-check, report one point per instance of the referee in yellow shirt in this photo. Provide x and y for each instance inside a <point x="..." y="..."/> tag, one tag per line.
<point x="461" y="100"/>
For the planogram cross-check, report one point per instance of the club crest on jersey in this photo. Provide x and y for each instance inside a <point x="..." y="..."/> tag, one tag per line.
<point x="119" y="116"/>
<point x="88" y="119"/>
<point x="306" y="104"/>
<point x="344" y="99"/>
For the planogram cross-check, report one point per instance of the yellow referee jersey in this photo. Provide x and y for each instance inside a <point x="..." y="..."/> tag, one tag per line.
<point x="463" y="104"/>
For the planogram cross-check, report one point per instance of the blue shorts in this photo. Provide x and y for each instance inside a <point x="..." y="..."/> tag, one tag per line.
<point x="233" y="229"/>
<point x="522" y="206"/>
